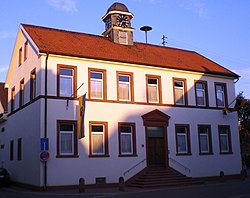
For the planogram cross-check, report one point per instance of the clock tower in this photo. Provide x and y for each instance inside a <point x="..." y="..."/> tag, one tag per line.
<point x="117" y="24"/>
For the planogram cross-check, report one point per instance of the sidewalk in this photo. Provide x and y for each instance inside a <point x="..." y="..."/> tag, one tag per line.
<point x="114" y="191"/>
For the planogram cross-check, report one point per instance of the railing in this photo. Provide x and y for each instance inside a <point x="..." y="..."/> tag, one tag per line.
<point x="133" y="167"/>
<point x="181" y="165"/>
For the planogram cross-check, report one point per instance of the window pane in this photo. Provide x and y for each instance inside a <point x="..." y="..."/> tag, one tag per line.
<point x="204" y="143"/>
<point x="182" y="143"/>
<point x="152" y="93"/>
<point x="96" y="75"/>
<point x="200" y="98"/>
<point x="97" y="144"/>
<point x="96" y="89"/>
<point x="126" y="143"/>
<point x="126" y="129"/>
<point x="200" y="94"/>
<point x="66" y="72"/>
<point x="178" y="83"/>
<point x="179" y="97"/>
<point x="66" y="127"/>
<point x="220" y="95"/>
<point x="224" y="142"/>
<point x="124" y="91"/>
<point x="179" y="92"/>
<point x="97" y="128"/>
<point x="66" y="86"/>
<point x="152" y="81"/>
<point x="123" y="78"/>
<point x="66" y="141"/>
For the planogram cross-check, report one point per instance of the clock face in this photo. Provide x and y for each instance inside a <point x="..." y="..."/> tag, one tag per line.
<point x="122" y="21"/>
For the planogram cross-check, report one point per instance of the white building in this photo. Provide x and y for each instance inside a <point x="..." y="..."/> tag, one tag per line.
<point x="146" y="106"/>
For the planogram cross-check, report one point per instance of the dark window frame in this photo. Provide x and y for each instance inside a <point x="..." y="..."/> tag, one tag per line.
<point x="224" y="85"/>
<point x="131" y="85"/>
<point x="75" y="140"/>
<point x="210" y="151"/>
<point x="104" y="83"/>
<point x="229" y="140"/>
<point x="148" y="76"/>
<point x="33" y="84"/>
<point x="185" y="96"/>
<point x="11" y="150"/>
<point x="74" y="82"/>
<point x="19" y="149"/>
<point x="21" y="93"/>
<point x="106" y="140"/>
<point x="188" y="144"/>
<point x="205" y="93"/>
<point x="133" y="136"/>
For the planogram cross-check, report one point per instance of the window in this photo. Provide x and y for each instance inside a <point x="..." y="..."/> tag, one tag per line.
<point x="13" y="99"/>
<point x="182" y="139"/>
<point x="25" y="50"/>
<point x="98" y="139"/>
<point x="67" y="139"/>
<point x="21" y="93"/>
<point x="97" y="83"/>
<point x="127" y="139"/>
<point x="180" y="91"/>
<point x="201" y="93"/>
<point x="12" y="150"/>
<point x="33" y="84"/>
<point x="205" y="140"/>
<point x="153" y="89"/>
<point x="19" y="149"/>
<point x="125" y="86"/>
<point x="224" y="139"/>
<point x="123" y="37"/>
<point x="221" y="98"/>
<point x="66" y="81"/>
<point x="20" y="57"/>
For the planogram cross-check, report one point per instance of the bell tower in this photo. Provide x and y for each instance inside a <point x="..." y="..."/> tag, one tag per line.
<point x="118" y="24"/>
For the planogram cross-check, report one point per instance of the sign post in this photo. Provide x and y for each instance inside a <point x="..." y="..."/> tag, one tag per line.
<point x="44" y="147"/>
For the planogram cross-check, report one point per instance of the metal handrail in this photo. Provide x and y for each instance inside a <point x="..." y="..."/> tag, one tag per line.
<point x="133" y="167"/>
<point x="185" y="168"/>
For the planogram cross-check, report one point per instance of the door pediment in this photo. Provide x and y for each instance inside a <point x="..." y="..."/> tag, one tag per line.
<point x="155" y="117"/>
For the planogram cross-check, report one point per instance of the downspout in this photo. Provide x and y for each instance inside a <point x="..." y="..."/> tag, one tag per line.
<point x="46" y="115"/>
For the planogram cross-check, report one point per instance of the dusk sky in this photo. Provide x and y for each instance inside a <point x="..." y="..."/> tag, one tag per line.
<point x="216" y="29"/>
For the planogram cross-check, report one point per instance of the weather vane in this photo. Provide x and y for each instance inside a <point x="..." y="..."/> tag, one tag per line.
<point x="164" y="42"/>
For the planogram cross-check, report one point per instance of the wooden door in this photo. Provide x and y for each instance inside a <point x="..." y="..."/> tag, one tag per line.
<point x="156" y="147"/>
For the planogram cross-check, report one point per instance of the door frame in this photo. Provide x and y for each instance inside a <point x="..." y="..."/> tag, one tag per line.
<point x="158" y="119"/>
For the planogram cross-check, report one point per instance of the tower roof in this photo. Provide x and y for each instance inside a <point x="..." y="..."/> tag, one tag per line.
<point x="118" y="7"/>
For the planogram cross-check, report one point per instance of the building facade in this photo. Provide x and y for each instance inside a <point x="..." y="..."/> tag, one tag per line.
<point x="146" y="106"/>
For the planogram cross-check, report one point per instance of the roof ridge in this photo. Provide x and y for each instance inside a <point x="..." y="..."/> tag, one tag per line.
<point x="171" y="48"/>
<point x="61" y="30"/>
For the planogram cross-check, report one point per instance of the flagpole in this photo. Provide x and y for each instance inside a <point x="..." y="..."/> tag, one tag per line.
<point x="67" y="105"/>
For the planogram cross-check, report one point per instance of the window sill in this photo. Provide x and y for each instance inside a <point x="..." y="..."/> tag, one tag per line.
<point x="183" y="154"/>
<point x="132" y="155"/>
<point x="98" y="156"/>
<point x="67" y="156"/>
<point x="206" y="153"/>
<point x="226" y="153"/>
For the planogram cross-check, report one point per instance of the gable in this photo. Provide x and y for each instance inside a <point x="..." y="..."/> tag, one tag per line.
<point x="155" y="116"/>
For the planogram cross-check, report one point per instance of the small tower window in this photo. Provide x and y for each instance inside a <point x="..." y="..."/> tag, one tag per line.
<point x="123" y="37"/>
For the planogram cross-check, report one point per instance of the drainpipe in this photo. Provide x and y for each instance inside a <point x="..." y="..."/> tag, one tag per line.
<point x="46" y="115"/>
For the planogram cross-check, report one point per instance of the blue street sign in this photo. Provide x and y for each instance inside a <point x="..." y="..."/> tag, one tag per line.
<point x="44" y="142"/>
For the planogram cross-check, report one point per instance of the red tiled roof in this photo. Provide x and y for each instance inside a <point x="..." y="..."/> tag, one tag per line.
<point x="83" y="45"/>
<point x="4" y="97"/>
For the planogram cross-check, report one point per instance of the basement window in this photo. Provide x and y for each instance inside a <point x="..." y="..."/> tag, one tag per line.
<point x="100" y="180"/>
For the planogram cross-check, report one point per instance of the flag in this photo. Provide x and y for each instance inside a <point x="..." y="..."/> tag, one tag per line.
<point x="81" y="112"/>
<point x="238" y="105"/>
